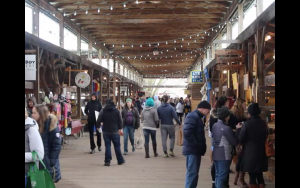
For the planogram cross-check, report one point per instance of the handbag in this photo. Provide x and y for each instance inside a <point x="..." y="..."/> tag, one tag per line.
<point x="270" y="151"/>
<point x="179" y="137"/>
<point x="38" y="178"/>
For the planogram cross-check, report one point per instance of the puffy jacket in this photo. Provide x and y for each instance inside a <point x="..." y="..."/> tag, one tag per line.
<point x="52" y="146"/>
<point x="194" y="141"/>
<point x="136" y="117"/>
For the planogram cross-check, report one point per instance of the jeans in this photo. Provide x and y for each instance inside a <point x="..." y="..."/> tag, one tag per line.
<point x="192" y="170"/>
<point x="165" y="131"/>
<point x="147" y="133"/>
<point x="91" y="131"/>
<point x="222" y="172"/>
<point x="128" y="130"/>
<point x="115" y="139"/>
<point x="25" y="180"/>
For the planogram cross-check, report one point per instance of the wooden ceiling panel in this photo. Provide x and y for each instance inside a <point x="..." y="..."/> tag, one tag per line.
<point x="149" y="22"/>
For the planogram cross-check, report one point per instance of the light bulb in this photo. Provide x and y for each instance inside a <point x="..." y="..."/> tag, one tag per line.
<point x="149" y="45"/>
<point x="111" y="7"/>
<point x="174" y="41"/>
<point x="98" y="10"/>
<point x="225" y="71"/>
<point x="188" y="43"/>
<point x="181" y="46"/>
<point x="132" y="46"/>
<point x="113" y="45"/>
<point x="141" y="45"/>
<point x="124" y="5"/>
<point x="104" y="44"/>
<point x="86" y="11"/>
<point x="190" y="37"/>
<point x="182" y="39"/>
<point x="136" y="2"/>
<point x="75" y="13"/>
<point x="64" y="14"/>
<point x="122" y="45"/>
<point x="166" y="42"/>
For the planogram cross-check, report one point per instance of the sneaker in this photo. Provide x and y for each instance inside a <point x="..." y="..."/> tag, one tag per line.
<point x="120" y="163"/>
<point x="107" y="164"/>
<point x="166" y="155"/>
<point x="99" y="148"/>
<point x="92" y="151"/>
<point x="133" y="149"/>
<point x="171" y="154"/>
<point x="125" y="153"/>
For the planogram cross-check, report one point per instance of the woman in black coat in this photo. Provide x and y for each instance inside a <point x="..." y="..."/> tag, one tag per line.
<point x="253" y="136"/>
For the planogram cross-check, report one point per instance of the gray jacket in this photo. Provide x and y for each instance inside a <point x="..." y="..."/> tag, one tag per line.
<point x="33" y="141"/>
<point x="223" y="141"/>
<point x="149" y="118"/>
<point x="157" y="104"/>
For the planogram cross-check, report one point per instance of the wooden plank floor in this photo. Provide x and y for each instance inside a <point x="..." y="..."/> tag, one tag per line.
<point x="82" y="170"/>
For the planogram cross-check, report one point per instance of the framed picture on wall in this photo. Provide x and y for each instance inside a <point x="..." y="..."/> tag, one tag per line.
<point x="246" y="81"/>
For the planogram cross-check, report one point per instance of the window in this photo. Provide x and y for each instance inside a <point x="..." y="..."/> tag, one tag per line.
<point x="250" y="15"/>
<point x="111" y="65"/>
<point x="267" y="3"/>
<point x="49" y="29"/>
<point x="84" y="47"/>
<point x="121" y="70"/>
<point x="28" y="18"/>
<point x="96" y="61"/>
<point x="104" y="63"/>
<point x="125" y="69"/>
<point x="235" y="30"/>
<point x="224" y="37"/>
<point x="70" y="41"/>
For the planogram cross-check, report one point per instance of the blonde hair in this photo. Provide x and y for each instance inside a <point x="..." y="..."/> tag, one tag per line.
<point x="238" y="109"/>
<point x="43" y="113"/>
<point x="26" y="114"/>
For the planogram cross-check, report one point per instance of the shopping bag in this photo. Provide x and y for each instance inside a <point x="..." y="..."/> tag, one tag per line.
<point x="179" y="137"/>
<point x="139" y="139"/>
<point x="38" y="178"/>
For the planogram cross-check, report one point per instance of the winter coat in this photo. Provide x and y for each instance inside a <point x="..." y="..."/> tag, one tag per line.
<point x="167" y="113"/>
<point x="111" y="118"/>
<point x="33" y="141"/>
<point x="52" y="146"/>
<point x="149" y="118"/>
<point x="90" y="108"/>
<point x="136" y="117"/>
<point x="253" y="137"/>
<point x="194" y="141"/>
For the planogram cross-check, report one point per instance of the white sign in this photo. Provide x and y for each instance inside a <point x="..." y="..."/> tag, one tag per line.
<point x="82" y="80"/>
<point x="30" y="67"/>
<point x="123" y="88"/>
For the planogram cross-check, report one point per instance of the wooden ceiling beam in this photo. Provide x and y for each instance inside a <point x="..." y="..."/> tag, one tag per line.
<point x="91" y="25"/>
<point x="119" y="1"/>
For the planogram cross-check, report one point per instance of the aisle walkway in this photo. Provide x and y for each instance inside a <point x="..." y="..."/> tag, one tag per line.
<point x="82" y="170"/>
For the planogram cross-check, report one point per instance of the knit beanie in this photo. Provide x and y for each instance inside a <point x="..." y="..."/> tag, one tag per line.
<point x="223" y="112"/>
<point x="253" y="109"/>
<point x="204" y="104"/>
<point x="128" y="100"/>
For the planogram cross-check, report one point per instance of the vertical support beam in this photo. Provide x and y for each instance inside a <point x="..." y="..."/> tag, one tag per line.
<point x="79" y="43"/>
<point x="229" y="79"/>
<point x="250" y="62"/>
<point x="213" y="51"/>
<point x="119" y="95"/>
<point x="108" y="85"/>
<point x="259" y="7"/>
<point x="91" y="73"/>
<point x="37" y="81"/>
<point x="261" y="64"/>
<point x="123" y="71"/>
<point x="119" y="68"/>
<point x="61" y="33"/>
<point x="114" y="89"/>
<point x="90" y="50"/>
<point x="100" y="57"/>
<point x="79" y="66"/>
<point x="114" y="69"/>
<point x="101" y="85"/>
<point x="229" y="31"/>
<point x="241" y="17"/>
<point x="221" y="82"/>
<point x="108" y="67"/>
<point x="36" y="19"/>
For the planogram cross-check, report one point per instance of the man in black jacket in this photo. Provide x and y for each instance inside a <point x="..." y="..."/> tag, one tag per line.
<point x="110" y="116"/>
<point x="92" y="106"/>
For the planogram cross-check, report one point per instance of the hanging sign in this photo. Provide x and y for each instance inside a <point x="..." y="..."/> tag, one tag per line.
<point x="197" y="76"/>
<point x="30" y="67"/>
<point x="82" y="80"/>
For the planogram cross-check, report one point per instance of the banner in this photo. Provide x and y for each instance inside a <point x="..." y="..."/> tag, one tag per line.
<point x="234" y="80"/>
<point x="197" y="76"/>
<point x="30" y="67"/>
<point x="206" y="73"/>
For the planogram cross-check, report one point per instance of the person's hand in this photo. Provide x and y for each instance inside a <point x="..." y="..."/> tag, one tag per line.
<point x="239" y="125"/>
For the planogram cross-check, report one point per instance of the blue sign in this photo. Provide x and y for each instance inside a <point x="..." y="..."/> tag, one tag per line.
<point x="197" y="76"/>
<point x="207" y="77"/>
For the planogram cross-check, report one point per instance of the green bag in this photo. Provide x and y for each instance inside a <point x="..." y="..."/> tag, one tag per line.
<point x="38" y="178"/>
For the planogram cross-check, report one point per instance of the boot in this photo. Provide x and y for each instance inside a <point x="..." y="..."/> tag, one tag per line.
<point x="155" y="149"/>
<point x="147" y="151"/>
<point x="236" y="178"/>
<point x="253" y="186"/>
<point x="241" y="181"/>
<point x="261" y="185"/>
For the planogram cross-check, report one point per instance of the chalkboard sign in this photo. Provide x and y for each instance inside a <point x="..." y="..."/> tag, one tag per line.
<point x="197" y="76"/>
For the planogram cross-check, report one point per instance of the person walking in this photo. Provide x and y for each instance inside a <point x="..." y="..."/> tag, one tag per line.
<point x="111" y="118"/>
<point x="50" y="134"/>
<point x="157" y="102"/>
<point x="194" y="142"/>
<point x="253" y="136"/>
<point x="131" y="121"/>
<point x="166" y="114"/>
<point x="150" y="120"/>
<point x="92" y="106"/>
<point x="180" y="109"/>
